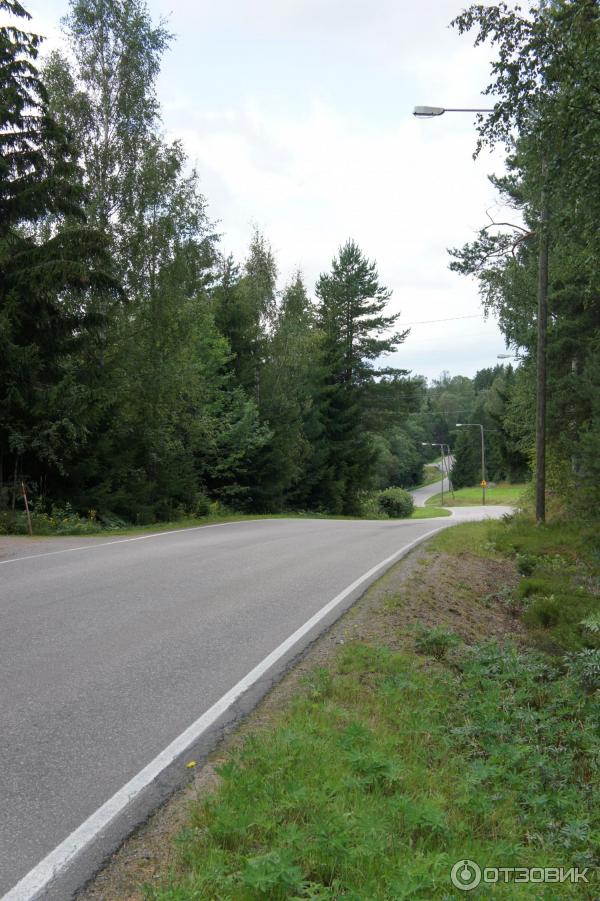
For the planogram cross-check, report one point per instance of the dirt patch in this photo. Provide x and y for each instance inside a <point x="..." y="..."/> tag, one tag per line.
<point x="426" y="589"/>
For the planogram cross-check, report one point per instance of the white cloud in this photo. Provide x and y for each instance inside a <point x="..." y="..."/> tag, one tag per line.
<point x="298" y="116"/>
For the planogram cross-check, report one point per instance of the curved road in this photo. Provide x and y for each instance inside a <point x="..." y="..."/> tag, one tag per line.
<point x="420" y="495"/>
<point x="109" y="650"/>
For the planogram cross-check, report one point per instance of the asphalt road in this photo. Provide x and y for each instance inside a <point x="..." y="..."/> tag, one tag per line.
<point x="420" y="495"/>
<point x="109" y="651"/>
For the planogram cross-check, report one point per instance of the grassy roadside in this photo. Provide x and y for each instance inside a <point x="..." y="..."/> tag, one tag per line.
<point x="501" y="494"/>
<point x="84" y="528"/>
<point x="431" y="474"/>
<point x="429" y="512"/>
<point x="457" y="721"/>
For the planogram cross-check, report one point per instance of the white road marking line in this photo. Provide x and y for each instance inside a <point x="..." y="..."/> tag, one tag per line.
<point x="216" y="525"/>
<point x="39" y="878"/>
<point x="91" y="547"/>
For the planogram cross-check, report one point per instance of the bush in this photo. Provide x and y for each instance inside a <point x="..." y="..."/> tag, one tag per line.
<point x="110" y="520"/>
<point x="526" y="564"/>
<point x="60" y="521"/>
<point x="584" y="668"/>
<point x="529" y="587"/>
<point x="436" y="642"/>
<point x="545" y="611"/>
<point x="395" y="502"/>
<point x="201" y="505"/>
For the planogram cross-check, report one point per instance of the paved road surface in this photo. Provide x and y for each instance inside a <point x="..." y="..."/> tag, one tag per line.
<point x="420" y="495"/>
<point x="110" y="650"/>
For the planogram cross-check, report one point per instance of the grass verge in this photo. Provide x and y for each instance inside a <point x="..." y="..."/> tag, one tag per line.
<point x="463" y="497"/>
<point x="77" y="526"/>
<point x="446" y="730"/>
<point x="431" y="474"/>
<point x="429" y="512"/>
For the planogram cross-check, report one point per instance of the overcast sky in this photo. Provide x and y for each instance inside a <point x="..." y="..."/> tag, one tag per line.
<point x="298" y="116"/>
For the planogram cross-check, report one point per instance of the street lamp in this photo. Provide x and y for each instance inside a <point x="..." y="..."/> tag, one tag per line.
<point x="462" y="425"/>
<point x="428" y="112"/>
<point x="441" y="447"/>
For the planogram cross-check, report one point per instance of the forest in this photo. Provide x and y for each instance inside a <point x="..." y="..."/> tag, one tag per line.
<point x="145" y="375"/>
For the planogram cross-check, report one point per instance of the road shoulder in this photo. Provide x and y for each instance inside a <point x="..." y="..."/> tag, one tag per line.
<point x="425" y="589"/>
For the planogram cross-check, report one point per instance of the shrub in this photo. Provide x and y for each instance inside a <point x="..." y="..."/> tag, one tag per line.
<point x="526" y="563"/>
<point x="529" y="587"/>
<point x="60" y="521"/>
<point x="544" y="611"/>
<point x="584" y="668"/>
<point x="110" y="520"/>
<point x="396" y="502"/>
<point x="201" y="505"/>
<point x="436" y="642"/>
<point x="591" y="624"/>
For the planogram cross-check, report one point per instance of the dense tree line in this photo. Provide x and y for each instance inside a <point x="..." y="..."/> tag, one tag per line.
<point x="546" y="89"/>
<point x="144" y="374"/>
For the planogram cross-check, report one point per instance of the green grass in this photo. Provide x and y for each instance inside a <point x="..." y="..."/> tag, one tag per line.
<point x="429" y="512"/>
<point x="470" y="537"/>
<point x="388" y="769"/>
<point x="501" y="494"/>
<point x="560" y="567"/>
<point x="391" y="766"/>
<point x="431" y="474"/>
<point x="560" y="586"/>
<point x="46" y="526"/>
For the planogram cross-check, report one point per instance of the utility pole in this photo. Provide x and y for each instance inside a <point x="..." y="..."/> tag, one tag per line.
<point x="462" y="425"/>
<point x="483" y="479"/>
<point x="542" y="328"/>
<point x="441" y="447"/>
<point x="428" y="112"/>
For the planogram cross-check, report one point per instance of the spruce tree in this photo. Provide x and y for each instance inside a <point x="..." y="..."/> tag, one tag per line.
<point x="355" y="335"/>
<point x="51" y="265"/>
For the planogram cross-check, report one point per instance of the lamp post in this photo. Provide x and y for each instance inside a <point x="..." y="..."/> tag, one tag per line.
<point x="462" y="425"/>
<point x="441" y="447"/>
<point x="450" y="485"/>
<point x="429" y="112"/>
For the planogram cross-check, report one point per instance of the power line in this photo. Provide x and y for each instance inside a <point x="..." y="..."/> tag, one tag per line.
<point x="448" y="319"/>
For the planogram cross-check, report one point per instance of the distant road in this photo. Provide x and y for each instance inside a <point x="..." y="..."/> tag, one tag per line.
<point x="108" y="651"/>
<point x="420" y="495"/>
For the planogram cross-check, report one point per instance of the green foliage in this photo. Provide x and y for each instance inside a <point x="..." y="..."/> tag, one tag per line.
<point x="591" y="624"/>
<point x="161" y="418"/>
<point x="396" y="502"/>
<point x="545" y="84"/>
<point x="435" y="642"/>
<point x="526" y="564"/>
<point x="510" y="495"/>
<point x="543" y="611"/>
<point x="200" y="377"/>
<point x="529" y="587"/>
<point x="584" y="668"/>
<point x="59" y="521"/>
<point x="53" y="269"/>
<point x="386" y="770"/>
<point x="467" y="463"/>
<point x="351" y="318"/>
